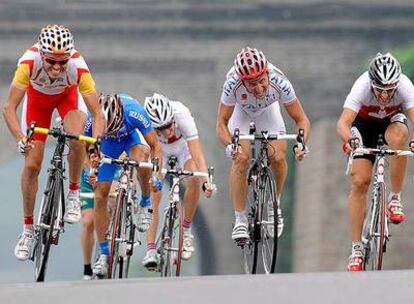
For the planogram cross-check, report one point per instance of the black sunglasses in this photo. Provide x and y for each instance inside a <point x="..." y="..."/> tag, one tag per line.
<point x="59" y="62"/>
<point x="165" y="127"/>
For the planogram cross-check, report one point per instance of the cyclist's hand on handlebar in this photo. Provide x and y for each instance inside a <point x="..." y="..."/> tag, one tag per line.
<point x="231" y="151"/>
<point x="352" y="144"/>
<point x="209" y="189"/>
<point x="300" y="150"/>
<point x="24" y="145"/>
<point x="411" y="145"/>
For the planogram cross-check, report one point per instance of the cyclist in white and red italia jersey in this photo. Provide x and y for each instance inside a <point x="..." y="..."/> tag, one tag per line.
<point x="253" y="91"/>
<point x="178" y="134"/>
<point x="50" y="75"/>
<point x="373" y="108"/>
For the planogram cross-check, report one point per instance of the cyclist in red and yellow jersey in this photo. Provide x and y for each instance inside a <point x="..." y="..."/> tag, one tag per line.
<point x="50" y="75"/>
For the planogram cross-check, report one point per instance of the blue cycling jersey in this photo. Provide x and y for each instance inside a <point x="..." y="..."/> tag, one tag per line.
<point x="136" y="122"/>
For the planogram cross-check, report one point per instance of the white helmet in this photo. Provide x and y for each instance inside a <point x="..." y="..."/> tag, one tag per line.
<point x="159" y="110"/>
<point x="55" y="40"/>
<point x="384" y="70"/>
<point x="112" y="108"/>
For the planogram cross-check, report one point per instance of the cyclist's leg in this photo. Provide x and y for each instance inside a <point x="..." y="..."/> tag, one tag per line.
<point x="87" y="233"/>
<point x="138" y="150"/>
<point x="36" y="107"/>
<point x="396" y="136"/>
<point x="151" y="259"/>
<point x="238" y="174"/>
<point x="73" y="112"/>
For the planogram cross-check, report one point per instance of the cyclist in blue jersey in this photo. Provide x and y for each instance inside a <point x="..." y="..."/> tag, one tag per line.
<point x="129" y="129"/>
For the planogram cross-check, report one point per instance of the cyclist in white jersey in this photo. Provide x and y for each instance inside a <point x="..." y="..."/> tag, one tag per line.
<point x="253" y="91"/>
<point x="178" y="134"/>
<point x="372" y="108"/>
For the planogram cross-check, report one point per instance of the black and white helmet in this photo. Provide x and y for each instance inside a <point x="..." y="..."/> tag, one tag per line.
<point x="113" y="111"/>
<point x="56" y="40"/>
<point x="159" y="110"/>
<point x="384" y="70"/>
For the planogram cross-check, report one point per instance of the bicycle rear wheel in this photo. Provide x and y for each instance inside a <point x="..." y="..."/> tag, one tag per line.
<point x="374" y="230"/>
<point x="47" y="216"/>
<point x="268" y="225"/>
<point x="116" y="232"/>
<point x="173" y="242"/>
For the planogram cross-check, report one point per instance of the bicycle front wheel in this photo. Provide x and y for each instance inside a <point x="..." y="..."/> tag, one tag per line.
<point x="251" y="249"/>
<point x="116" y="261"/>
<point x="45" y="230"/>
<point x="374" y="230"/>
<point x="268" y="219"/>
<point x="173" y="242"/>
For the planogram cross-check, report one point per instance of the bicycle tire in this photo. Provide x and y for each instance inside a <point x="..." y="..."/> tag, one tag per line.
<point x="130" y="231"/>
<point x="174" y="242"/>
<point x="268" y="241"/>
<point x="374" y="231"/>
<point x="115" y="232"/>
<point x="45" y="236"/>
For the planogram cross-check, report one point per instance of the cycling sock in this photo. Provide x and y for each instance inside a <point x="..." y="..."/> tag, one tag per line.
<point x="356" y="246"/>
<point x="393" y="194"/>
<point x="145" y="202"/>
<point x="186" y="223"/>
<point x="104" y="248"/>
<point x="28" y="224"/>
<point x="151" y="246"/>
<point x="87" y="269"/>
<point x="240" y="216"/>
<point x="73" y="186"/>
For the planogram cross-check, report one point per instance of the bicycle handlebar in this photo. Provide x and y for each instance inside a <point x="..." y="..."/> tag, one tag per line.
<point x="375" y="151"/>
<point x="56" y="132"/>
<point x="127" y="162"/>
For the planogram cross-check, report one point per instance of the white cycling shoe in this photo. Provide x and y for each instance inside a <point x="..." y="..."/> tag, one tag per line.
<point x="100" y="269"/>
<point x="144" y="218"/>
<point x="188" y="244"/>
<point x="73" y="208"/>
<point x="24" y="246"/>
<point x="240" y="232"/>
<point x="150" y="261"/>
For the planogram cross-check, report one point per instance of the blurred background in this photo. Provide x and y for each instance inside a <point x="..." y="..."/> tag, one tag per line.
<point x="183" y="49"/>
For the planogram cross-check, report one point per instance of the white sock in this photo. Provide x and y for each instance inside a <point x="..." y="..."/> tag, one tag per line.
<point x="240" y="216"/>
<point x="357" y="246"/>
<point x="390" y="196"/>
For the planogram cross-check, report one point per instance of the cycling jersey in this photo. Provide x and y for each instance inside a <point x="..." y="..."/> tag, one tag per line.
<point x="136" y="124"/>
<point x="361" y="99"/>
<point x="280" y="90"/>
<point x="43" y="94"/>
<point x="30" y="72"/>
<point x="184" y="130"/>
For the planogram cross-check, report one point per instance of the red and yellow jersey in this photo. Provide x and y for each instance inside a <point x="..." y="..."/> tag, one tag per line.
<point x="30" y="72"/>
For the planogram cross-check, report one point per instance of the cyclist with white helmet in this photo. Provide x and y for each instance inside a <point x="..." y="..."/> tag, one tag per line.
<point x="128" y="129"/>
<point x="374" y="107"/>
<point x="178" y="134"/>
<point x="253" y="91"/>
<point x="50" y="75"/>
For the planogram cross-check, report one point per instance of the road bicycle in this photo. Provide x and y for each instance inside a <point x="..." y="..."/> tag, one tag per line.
<point x="52" y="208"/>
<point x="169" y="243"/>
<point x="263" y="214"/>
<point x="122" y="230"/>
<point x="375" y="232"/>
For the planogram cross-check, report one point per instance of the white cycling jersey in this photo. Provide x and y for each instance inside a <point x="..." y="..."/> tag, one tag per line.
<point x="361" y="99"/>
<point x="184" y="130"/>
<point x="280" y="90"/>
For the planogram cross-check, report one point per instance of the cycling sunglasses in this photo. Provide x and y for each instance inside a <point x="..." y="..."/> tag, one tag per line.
<point x="53" y="62"/>
<point x="165" y="127"/>
<point x="380" y="89"/>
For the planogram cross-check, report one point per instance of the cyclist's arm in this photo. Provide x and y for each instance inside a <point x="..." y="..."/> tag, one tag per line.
<point x="14" y="99"/>
<point x="197" y="154"/>
<point x="297" y="113"/>
<point x="224" y="114"/>
<point x="155" y="146"/>
<point x="98" y="118"/>
<point x="343" y="127"/>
